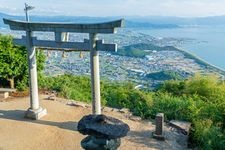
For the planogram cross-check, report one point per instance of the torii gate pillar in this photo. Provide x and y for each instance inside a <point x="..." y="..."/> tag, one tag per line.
<point x="35" y="111"/>
<point x="95" y="78"/>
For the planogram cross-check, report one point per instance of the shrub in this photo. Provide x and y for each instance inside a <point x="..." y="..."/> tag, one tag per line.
<point x="207" y="136"/>
<point x="200" y="100"/>
<point x="173" y="107"/>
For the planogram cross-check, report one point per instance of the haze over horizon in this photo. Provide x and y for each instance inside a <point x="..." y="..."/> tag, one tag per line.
<point x="102" y="8"/>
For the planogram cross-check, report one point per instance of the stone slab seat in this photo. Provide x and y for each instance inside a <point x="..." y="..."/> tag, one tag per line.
<point x="4" y="92"/>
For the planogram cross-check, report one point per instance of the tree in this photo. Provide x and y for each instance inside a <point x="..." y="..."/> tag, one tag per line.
<point x="13" y="62"/>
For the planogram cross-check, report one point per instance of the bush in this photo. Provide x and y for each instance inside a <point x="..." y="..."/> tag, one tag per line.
<point x="209" y="88"/>
<point x="200" y="100"/>
<point x="174" y="87"/>
<point x="69" y="86"/>
<point x="173" y="107"/>
<point x="207" y="136"/>
<point x="206" y="108"/>
<point x="125" y="96"/>
<point x="14" y="65"/>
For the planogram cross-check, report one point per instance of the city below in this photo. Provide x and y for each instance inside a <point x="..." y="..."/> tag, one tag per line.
<point x="158" y="58"/>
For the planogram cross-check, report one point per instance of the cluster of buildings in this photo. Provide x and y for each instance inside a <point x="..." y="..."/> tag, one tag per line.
<point x="120" y="68"/>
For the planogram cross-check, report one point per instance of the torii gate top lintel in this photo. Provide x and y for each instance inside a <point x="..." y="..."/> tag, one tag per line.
<point x="106" y="27"/>
<point x="60" y="28"/>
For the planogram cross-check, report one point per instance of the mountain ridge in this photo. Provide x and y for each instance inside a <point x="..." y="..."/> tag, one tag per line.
<point x="131" y="21"/>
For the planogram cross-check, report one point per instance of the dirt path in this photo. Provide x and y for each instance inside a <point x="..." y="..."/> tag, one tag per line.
<point x="57" y="130"/>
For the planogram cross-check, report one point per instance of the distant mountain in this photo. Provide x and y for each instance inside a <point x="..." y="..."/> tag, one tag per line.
<point x="2" y="15"/>
<point x="214" y="20"/>
<point x="85" y="19"/>
<point x="133" y="24"/>
<point x="131" y="21"/>
<point x="211" y="20"/>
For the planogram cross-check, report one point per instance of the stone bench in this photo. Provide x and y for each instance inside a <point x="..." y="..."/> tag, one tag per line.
<point x="4" y="92"/>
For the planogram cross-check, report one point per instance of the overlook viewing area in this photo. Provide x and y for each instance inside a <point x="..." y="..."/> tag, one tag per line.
<point x="58" y="129"/>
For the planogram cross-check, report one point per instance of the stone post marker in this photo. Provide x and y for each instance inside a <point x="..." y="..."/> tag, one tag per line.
<point x="158" y="134"/>
<point x="63" y="44"/>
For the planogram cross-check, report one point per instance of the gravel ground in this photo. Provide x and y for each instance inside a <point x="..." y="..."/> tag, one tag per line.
<point x="58" y="129"/>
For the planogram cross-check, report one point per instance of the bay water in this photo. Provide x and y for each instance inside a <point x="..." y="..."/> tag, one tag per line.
<point x="208" y="42"/>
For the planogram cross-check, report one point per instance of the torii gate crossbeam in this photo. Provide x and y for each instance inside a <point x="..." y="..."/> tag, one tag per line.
<point x="93" y="45"/>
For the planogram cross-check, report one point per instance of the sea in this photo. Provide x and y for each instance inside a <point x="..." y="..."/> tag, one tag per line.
<point x="207" y="42"/>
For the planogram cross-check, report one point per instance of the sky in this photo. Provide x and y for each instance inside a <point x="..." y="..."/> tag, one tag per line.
<point x="100" y="8"/>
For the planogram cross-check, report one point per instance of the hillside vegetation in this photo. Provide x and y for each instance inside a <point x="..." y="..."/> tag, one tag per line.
<point x="137" y="50"/>
<point x="200" y="100"/>
<point x="13" y="63"/>
<point x="164" y="75"/>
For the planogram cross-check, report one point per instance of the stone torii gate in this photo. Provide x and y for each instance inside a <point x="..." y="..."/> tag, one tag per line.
<point x="60" y="43"/>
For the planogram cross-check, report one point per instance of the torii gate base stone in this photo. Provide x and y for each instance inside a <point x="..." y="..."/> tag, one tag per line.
<point x="93" y="45"/>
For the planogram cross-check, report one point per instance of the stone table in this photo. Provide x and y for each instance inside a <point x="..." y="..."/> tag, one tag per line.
<point x="104" y="132"/>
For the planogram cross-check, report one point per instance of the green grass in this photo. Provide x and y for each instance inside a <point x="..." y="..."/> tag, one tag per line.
<point x="200" y="100"/>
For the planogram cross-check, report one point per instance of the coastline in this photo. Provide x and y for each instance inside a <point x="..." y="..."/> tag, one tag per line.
<point x="201" y="61"/>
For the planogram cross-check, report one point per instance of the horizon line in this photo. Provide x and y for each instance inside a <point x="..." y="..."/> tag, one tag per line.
<point x="123" y="16"/>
